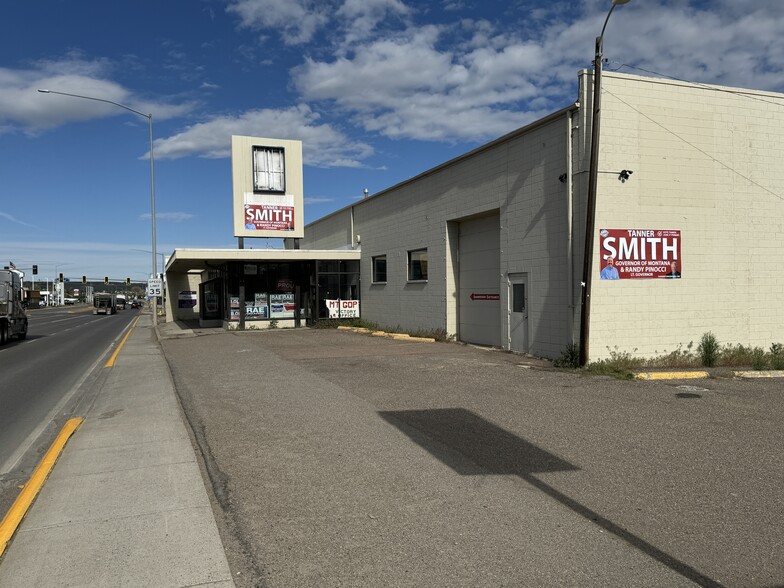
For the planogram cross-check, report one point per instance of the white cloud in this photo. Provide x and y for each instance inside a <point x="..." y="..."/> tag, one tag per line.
<point x="475" y="80"/>
<point x="317" y="200"/>
<point x="361" y="17"/>
<point x="323" y="145"/>
<point x="175" y="217"/>
<point x="22" y="106"/>
<point x="295" y="20"/>
<point x="15" y="220"/>
<point x="404" y="86"/>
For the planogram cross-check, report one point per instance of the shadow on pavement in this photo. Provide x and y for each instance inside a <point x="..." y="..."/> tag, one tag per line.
<point x="472" y="446"/>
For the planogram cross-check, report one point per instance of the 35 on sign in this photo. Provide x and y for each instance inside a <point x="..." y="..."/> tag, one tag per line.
<point x="154" y="287"/>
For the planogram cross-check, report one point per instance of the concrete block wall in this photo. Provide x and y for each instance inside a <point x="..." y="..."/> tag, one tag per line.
<point x="516" y="177"/>
<point x="331" y="232"/>
<point x="176" y="283"/>
<point x="709" y="162"/>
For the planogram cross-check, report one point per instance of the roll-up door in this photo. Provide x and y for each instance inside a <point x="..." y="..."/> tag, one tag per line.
<point x="480" y="267"/>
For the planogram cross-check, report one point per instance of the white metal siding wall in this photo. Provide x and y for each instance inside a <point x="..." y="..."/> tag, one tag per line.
<point x="709" y="163"/>
<point x="479" y="255"/>
<point x="332" y="232"/>
<point x="519" y="178"/>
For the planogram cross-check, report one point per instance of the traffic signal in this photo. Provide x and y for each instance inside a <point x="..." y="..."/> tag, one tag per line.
<point x="106" y="279"/>
<point x="127" y="281"/>
<point x="84" y="279"/>
<point x="61" y="277"/>
<point x="35" y="270"/>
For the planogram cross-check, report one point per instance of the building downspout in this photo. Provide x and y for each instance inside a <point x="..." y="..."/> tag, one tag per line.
<point x="351" y="234"/>
<point x="569" y="227"/>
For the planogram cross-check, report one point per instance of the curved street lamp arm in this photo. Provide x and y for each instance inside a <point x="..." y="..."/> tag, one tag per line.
<point x="149" y="116"/>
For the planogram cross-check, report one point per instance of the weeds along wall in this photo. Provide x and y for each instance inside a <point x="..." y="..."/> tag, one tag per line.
<point x="708" y="162"/>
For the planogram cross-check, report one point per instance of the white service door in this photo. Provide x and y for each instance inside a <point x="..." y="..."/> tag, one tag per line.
<point x="518" y="312"/>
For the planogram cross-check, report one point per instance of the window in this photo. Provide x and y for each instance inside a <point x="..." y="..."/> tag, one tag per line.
<point x="518" y="297"/>
<point x="380" y="269"/>
<point x="269" y="169"/>
<point x="417" y="265"/>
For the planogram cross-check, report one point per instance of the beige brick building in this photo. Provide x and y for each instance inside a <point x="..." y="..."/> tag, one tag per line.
<point x="489" y="246"/>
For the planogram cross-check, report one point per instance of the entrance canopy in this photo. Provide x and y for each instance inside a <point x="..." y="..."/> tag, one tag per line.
<point x="262" y="287"/>
<point x="185" y="261"/>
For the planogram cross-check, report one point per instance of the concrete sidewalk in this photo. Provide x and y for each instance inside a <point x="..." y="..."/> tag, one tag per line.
<point x="125" y="504"/>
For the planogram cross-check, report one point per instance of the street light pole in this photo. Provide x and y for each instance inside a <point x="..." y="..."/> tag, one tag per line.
<point x="152" y="182"/>
<point x="593" y="174"/>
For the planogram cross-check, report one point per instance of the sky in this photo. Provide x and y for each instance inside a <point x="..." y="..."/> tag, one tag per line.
<point x="378" y="91"/>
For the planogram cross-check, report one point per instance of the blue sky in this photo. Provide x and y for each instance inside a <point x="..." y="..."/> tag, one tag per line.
<point x="377" y="90"/>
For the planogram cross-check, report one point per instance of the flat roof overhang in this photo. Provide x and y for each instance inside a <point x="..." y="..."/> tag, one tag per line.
<point x="186" y="260"/>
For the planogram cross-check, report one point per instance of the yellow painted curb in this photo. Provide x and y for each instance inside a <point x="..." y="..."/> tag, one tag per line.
<point x="113" y="358"/>
<point x="397" y="336"/>
<point x="761" y="374"/>
<point x="670" y="375"/>
<point x="25" y="499"/>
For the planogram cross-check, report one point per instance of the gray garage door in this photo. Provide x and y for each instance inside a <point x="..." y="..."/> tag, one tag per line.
<point x="480" y="267"/>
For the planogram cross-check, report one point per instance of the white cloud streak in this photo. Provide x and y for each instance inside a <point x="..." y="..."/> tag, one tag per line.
<point x="323" y="145"/>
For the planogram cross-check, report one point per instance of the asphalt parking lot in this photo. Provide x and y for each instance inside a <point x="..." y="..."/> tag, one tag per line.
<point x="342" y="459"/>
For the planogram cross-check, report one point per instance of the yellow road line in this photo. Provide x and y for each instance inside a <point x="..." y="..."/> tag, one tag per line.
<point x="25" y="499"/>
<point x="112" y="359"/>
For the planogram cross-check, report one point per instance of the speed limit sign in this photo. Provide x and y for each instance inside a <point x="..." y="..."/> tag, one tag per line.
<point x="154" y="287"/>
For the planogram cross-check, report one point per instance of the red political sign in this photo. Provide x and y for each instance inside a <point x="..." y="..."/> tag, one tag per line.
<point x="640" y="253"/>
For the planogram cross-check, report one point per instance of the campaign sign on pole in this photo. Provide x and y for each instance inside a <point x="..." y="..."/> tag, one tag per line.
<point x="640" y="254"/>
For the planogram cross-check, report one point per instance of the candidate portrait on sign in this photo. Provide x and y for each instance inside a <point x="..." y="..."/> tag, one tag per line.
<point x="673" y="273"/>
<point x="610" y="272"/>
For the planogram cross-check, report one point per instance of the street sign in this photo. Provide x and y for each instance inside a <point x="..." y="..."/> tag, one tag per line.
<point x="154" y="287"/>
<point x="475" y="296"/>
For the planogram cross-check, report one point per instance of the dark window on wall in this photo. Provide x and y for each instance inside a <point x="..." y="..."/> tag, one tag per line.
<point x="269" y="169"/>
<point x="380" y="269"/>
<point x="417" y="265"/>
<point x="336" y="280"/>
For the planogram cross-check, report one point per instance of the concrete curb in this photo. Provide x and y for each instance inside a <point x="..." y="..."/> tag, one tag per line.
<point x="760" y="374"/>
<point x="671" y="375"/>
<point x="33" y="487"/>
<point x="396" y="336"/>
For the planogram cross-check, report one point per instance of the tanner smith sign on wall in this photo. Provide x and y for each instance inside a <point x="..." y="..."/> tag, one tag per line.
<point x="640" y="253"/>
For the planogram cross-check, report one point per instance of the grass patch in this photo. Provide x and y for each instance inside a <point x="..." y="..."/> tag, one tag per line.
<point x="708" y="349"/>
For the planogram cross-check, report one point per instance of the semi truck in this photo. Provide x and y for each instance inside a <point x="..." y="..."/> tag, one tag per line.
<point x="104" y="303"/>
<point x="13" y="318"/>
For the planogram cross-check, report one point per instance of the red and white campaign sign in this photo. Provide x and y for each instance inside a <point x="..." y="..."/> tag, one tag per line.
<point x="343" y="308"/>
<point x="640" y="253"/>
<point x="269" y="217"/>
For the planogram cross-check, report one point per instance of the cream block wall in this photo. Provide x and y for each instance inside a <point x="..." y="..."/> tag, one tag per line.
<point x="176" y="283"/>
<point x="708" y="162"/>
